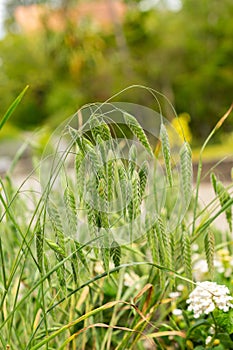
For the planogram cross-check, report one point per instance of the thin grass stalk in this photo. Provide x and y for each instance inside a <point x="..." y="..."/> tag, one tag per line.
<point x="3" y="265"/>
<point x="14" y="304"/>
<point x="108" y="335"/>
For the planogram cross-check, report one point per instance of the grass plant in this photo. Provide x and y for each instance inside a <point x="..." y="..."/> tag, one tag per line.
<point x="106" y="253"/>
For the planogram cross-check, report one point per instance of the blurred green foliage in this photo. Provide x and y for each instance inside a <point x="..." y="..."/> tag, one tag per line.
<point x="187" y="55"/>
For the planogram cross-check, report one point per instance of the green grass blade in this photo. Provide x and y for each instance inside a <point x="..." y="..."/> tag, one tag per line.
<point x="199" y="170"/>
<point x="12" y="107"/>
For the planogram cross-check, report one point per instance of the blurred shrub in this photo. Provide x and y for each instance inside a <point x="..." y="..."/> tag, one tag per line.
<point x="190" y="62"/>
<point x="9" y="132"/>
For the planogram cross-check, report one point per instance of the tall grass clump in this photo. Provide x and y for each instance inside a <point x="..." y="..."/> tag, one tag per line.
<point x="111" y="248"/>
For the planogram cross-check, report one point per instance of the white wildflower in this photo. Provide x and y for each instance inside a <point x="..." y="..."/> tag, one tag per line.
<point x="174" y="295"/>
<point x="228" y="272"/>
<point x="212" y="330"/>
<point x="207" y="296"/>
<point x="131" y="279"/>
<point x="98" y="268"/>
<point x="219" y="266"/>
<point x="180" y="287"/>
<point x="195" y="247"/>
<point x="208" y="340"/>
<point x="177" y="312"/>
<point x="200" y="268"/>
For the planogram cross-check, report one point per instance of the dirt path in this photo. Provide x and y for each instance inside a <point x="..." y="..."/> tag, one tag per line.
<point x="206" y="196"/>
<point x="206" y="192"/>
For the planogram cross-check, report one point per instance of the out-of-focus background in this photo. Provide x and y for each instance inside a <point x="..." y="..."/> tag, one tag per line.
<point x="73" y="52"/>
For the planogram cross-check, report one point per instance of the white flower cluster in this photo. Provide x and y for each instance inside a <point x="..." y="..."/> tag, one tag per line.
<point x="207" y="296"/>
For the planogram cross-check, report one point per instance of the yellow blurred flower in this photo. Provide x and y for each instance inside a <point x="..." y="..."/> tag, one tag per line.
<point x="181" y="125"/>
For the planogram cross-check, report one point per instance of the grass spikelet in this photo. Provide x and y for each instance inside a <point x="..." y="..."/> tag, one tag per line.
<point x="165" y="236"/>
<point x="123" y="178"/>
<point x="103" y="204"/>
<point x="61" y="278"/>
<point x="122" y="190"/>
<point x="39" y="245"/>
<point x="156" y="246"/>
<point x="132" y="159"/>
<point x="223" y="197"/>
<point x="138" y="131"/>
<point x="54" y="217"/>
<point x="214" y="182"/>
<point x="47" y="268"/>
<point x="102" y="151"/>
<point x="134" y="204"/>
<point x="76" y="137"/>
<point x="99" y="128"/>
<point x="91" y="191"/>
<point x="110" y="175"/>
<point x="186" y="171"/>
<point x="105" y="251"/>
<point x="91" y="218"/>
<point x="86" y="142"/>
<point x="143" y="175"/>
<point x="115" y="253"/>
<point x="74" y="268"/>
<point x="152" y="240"/>
<point x="80" y="173"/>
<point x="187" y="257"/>
<point x="209" y="243"/>
<point x="60" y="255"/>
<point x="166" y="153"/>
<point x="57" y="225"/>
<point x="103" y="222"/>
<point x="78" y="161"/>
<point x="94" y="159"/>
<point x="80" y="255"/>
<point x="74" y="263"/>
<point x="70" y="205"/>
<point x="159" y="233"/>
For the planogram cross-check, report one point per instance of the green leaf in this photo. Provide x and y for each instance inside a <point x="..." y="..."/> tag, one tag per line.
<point x="196" y="325"/>
<point x="12" y="107"/>
<point x="225" y="341"/>
<point x="224" y="320"/>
